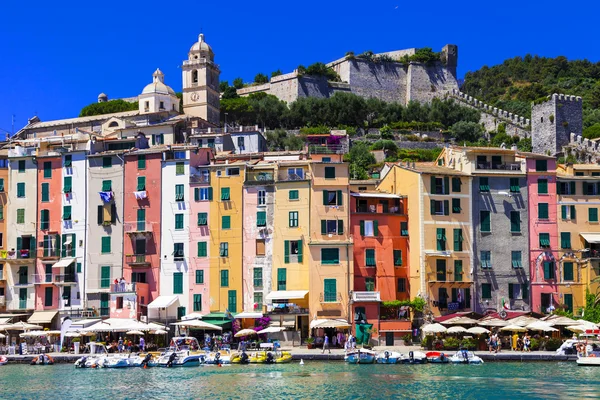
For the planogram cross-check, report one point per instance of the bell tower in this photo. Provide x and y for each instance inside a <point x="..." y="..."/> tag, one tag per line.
<point x="201" y="83"/>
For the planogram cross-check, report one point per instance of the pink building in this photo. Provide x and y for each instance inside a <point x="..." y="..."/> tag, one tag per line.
<point x="543" y="234"/>
<point x="200" y="196"/>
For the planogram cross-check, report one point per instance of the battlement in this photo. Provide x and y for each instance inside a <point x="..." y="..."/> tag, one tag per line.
<point x="560" y="98"/>
<point x="495" y="111"/>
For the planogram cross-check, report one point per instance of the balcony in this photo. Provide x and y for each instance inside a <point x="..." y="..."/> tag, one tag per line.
<point x="449" y="278"/>
<point x="511" y="166"/>
<point x="305" y="176"/>
<point x="373" y="209"/>
<point x="48" y="254"/>
<point x="260" y="178"/>
<point x="199" y="178"/>
<point x="65" y="280"/>
<point x="24" y="281"/>
<point x="330" y="298"/>
<point x="123" y="288"/>
<point x="591" y="252"/>
<point x="287" y="309"/>
<point x="366" y="296"/>
<point x="142" y="228"/>
<point x="138" y="260"/>
<point x="20" y="256"/>
<point x="327" y="149"/>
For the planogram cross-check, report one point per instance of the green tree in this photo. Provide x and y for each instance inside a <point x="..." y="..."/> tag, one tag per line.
<point x="109" y="107"/>
<point x="525" y="145"/>
<point x="466" y="131"/>
<point x="238" y="83"/>
<point x="276" y="73"/>
<point x="223" y="85"/>
<point x="261" y="78"/>
<point x="592" y="132"/>
<point x="280" y="140"/>
<point x="230" y="93"/>
<point x="360" y="158"/>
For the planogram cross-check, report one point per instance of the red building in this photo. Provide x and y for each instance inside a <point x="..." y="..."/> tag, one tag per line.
<point x="379" y="225"/>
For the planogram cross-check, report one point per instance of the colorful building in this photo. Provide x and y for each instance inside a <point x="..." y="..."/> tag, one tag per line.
<point x="4" y="210"/>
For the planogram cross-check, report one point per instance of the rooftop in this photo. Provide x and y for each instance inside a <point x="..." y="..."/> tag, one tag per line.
<point x="430" y="168"/>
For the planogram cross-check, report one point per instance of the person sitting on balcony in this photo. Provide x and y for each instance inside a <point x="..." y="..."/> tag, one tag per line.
<point x="122" y="284"/>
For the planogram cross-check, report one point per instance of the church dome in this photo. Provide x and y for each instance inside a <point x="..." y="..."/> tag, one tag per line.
<point x="201" y="46"/>
<point x="158" y="84"/>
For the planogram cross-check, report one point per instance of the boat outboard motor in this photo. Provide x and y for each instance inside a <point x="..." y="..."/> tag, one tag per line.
<point x="270" y="359"/>
<point x="172" y="358"/>
<point x="411" y="357"/>
<point x="465" y="355"/>
<point x="244" y="358"/>
<point x="81" y="362"/>
<point x="146" y="360"/>
<point x="218" y="358"/>
<point x="387" y="356"/>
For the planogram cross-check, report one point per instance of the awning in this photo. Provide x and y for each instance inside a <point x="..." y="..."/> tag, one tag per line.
<point x="591" y="237"/>
<point x="64" y="262"/>
<point x="287" y="294"/>
<point x="329" y="323"/>
<point x="376" y="195"/>
<point x="4" y="321"/>
<point x="42" y="317"/>
<point x="163" y="301"/>
<point x="249" y="314"/>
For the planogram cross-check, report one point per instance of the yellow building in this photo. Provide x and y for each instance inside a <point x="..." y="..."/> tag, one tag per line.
<point x="226" y="278"/>
<point x="288" y="301"/>
<point x="439" y="227"/>
<point x="330" y="249"/>
<point x="578" y="188"/>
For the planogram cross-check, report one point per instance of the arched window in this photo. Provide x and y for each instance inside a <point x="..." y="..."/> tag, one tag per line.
<point x="195" y="76"/>
<point x="113" y="124"/>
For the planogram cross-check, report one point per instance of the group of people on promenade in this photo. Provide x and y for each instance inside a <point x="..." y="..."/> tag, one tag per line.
<point x="346" y="341"/>
<point x="518" y="343"/>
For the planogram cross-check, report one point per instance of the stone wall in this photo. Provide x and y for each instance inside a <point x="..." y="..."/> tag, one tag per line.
<point x="426" y="82"/>
<point x="584" y="150"/>
<point x="553" y="121"/>
<point x="384" y="81"/>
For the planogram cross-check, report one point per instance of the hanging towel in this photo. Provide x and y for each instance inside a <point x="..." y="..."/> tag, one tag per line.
<point x="106" y="196"/>
<point x="140" y="195"/>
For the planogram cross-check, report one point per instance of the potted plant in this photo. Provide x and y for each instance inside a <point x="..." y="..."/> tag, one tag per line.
<point x="310" y="343"/>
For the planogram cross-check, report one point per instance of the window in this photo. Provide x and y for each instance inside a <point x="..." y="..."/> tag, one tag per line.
<point x="162" y="105"/>
<point x="567" y="271"/>
<point x="292" y="248"/>
<point x="225" y="194"/>
<point x="485" y="221"/>
<point x="329" y="172"/>
<point x="566" y="188"/>
<point x="225" y="222"/>
<point x="105" y="277"/>
<point x="178" y="221"/>
<point x="370" y="284"/>
<point x="592" y="214"/>
<point x="179" y="193"/>
<point x="293" y="219"/>
<point x="202" y="219"/>
<point x="45" y="192"/>
<point x="295" y="174"/>
<point x="224" y="249"/>
<point x="401" y="285"/>
<point x="107" y="186"/>
<point x="141" y="159"/>
<point x="232" y="301"/>
<point x="21" y="166"/>
<point x="516" y="259"/>
<point x="486" y="290"/>
<point x="485" y="256"/>
<point x="515" y="187"/>
<point x="178" y="254"/>
<point x="179" y="155"/>
<point x="67" y="213"/>
<point x="141" y="220"/>
<point x="1" y="185"/>
<point x="397" y="258"/>
<point x="458" y="240"/>
<point x="20" y="216"/>
<point x="544" y="240"/>
<point x="21" y="190"/>
<point x="332" y="227"/>
<point x="332" y="197"/>
<point x="157" y="139"/>
<point x="258" y="277"/>
<point x="240" y="143"/>
<point x="258" y="300"/>
<point x="199" y="276"/>
<point x="197" y="302"/>
<point x="47" y="169"/>
<point x="567" y="212"/>
<point x="440" y="270"/>
<point x="515" y="222"/>
<point x="456" y="206"/>
<point x="202" y="249"/>
<point x="458" y="271"/>
<point x="370" y="258"/>
<point x="590" y="188"/>
<point x="67" y="184"/>
<point x="541" y="165"/>
<point x="294" y="195"/>
<point x="330" y="290"/>
<point x="403" y="228"/>
<point x="456" y="185"/>
<point x="542" y="210"/>
<point x="141" y="183"/>
<point x="1" y="213"/>
<point x="281" y="278"/>
<point x="440" y="207"/>
<point x="106" y="162"/>
<point x="48" y="295"/>
<point x="330" y="256"/>
<point x="440" y="239"/>
<point x="484" y="185"/>
<point x="440" y="185"/>
<point x="105" y="244"/>
<point x="233" y="171"/>
<point x="261" y="218"/>
<point x="178" y="283"/>
<point x="225" y="278"/>
<point x="568" y="302"/>
<point x="542" y="186"/>
<point x="179" y="168"/>
<point x="260" y="247"/>
<point x="565" y="240"/>
<point x="548" y="270"/>
<point x="262" y="197"/>
<point x="202" y="193"/>
<point x="369" y="228"/>
<point x="514" y="291"/>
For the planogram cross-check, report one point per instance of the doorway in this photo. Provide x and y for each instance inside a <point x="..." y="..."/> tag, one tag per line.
<point x="389" y="338"/>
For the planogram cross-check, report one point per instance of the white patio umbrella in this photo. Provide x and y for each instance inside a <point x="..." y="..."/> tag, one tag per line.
<point x="198" y="324"/>
<point x="460" y="321"/>
<point x="491" y="321"/>
<point x="73" y="334"/>
<point x="477" y="330"/>
<point x="159" y="332"/>
<point x="434" y="328"/>
<point x="21" y="326"/>
<point x="245" y="332"/>
<point x="541" y="326"/>
<point x="2" y="336"/>
<point x="513" y="328"/>
<point x="134" y="332"/>
<point x="456" y="329"/>
<point x="272" y="329"/>
<point x="33" y="334"/>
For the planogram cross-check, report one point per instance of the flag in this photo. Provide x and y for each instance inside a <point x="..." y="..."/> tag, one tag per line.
<point x="228" y="315"/>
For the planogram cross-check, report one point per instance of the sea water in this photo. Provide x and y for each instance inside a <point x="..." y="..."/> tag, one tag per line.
<point x="313" y="380"/>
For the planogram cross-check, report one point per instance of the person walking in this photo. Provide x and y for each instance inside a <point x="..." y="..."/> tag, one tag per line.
<point x="326" y="344"/>
<point x="120" y="345"/>
<point x="142" y="344"/>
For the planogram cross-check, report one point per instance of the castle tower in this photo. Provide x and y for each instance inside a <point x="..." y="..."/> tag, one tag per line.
<point x="201" y="83"/>
<point x="450" y="54"/>
<point x="553" y="121"/>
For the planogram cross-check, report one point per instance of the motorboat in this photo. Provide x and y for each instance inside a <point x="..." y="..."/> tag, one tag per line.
<point x="283" y="357"/>
<point x="388" y="357"/>
<point x="42" y="359"/>
<point x="465" y="357"/>
<point x="121" y="361"/>
<point x="437" y="357"/>
<point x="219" y="357"/>
<point x="183" y="352"/>
<point x="568" y="347"/>
<point x="146" y="360"/>
<point x="414" y="357"/>
<point x="590" y="356"/>
<point x="95" y="357"/>
<point x="240" y="358"/>
<point x="360" y="356"/>
<point x="3" y="360"/>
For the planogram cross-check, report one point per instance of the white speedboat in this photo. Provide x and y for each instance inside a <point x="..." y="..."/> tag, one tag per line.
<point x="465" y="357"/>
<point x="388" y="357"/>
<point x="360" y="356"/>
<point x="119" y="361"/>
<point x="222" y="356"/>
<point x="414" y="357"/>
<point x="590" y="356"/>
<point x="145" y="360"/>
<point x="95" y="357"/>
<point x="183" y="352"/>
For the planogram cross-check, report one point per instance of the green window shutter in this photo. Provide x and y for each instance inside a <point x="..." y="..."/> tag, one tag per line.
<point x="104" y="277"/>
<point x="573" y="188"/>
<point x="21" y="166"/>
<point x="294" y="195"/>
<point x="179" y="168"/>
<point x="1" y="185"/>
<point x="432" y="207"/>
<point x="281" y="278"/>
<point x="258" y="277"/>
<point x="141" y="183"/>
<point x="568" y="271"/>
<point x="330" y="256"/>
<point x="398" y="258"/>
<point x="329" y="290"/>
<point x="446" y="207"/>
<point x="563" y="212"/>
<point x="362" y="228"/>
<point x="325" y="197"/>
<point x="458" y="240"/>
<point x="485" y="220"/>
<point x="339" y="198"/>
<point x="484" y="185"/>
<point x="20" y="216"/>
<point x="178" y="283"/>
<point x="544" y="239"/>
<point x="573" y="212"/>
<point x="106" y="162"/>
<point x="141" y="161"/>
<point x="199" y="276"/>
<point x="548" y="270"/>
<point x="261" y="218"/>
<point x="458" y="271"/>
<point x="510" y="291"/>
<point x="441" y="239"/>
<point x="224" y="278"/>
<point x="593" y="214"/>
<point x="225" y="194"/>
<point x="197" y="302"/>
<point x="48" y="295"/>
<point x="299" y="251"/>
<point x="456" y="206"/>
<point x="525" y="291"/>
<point x="541" y="165"/>
<point x="202" y="219"/>
<point x="440" y="270"/>
<point x="141" y="219"/>
<point x="45" y="192"/>
<point x="456" y="185"/>
<point x="370" y="257"/>
<point x="100" y="219"/>
<point x="584" y="187"/>
<point x="210" y="193"/>
<point x="433" y="188"/>
<point x="323" y="227"/>
<point x="68" y="160"/>
<point x="486" y="291"/>
<point x="515" y="221"/>
<point x="178" y="221"/>
<point x="340" y="227"/>
<point x="515" y="187"/>
<point x="330" y="172"/>
<point x="224" y="249"/>
<point x="225" y="222"/>
<point x="293" y="219"/>
<point x="565" y="240"/>
<point x="105" y="244"/>
<point x="375" y="228"/>
<point x="21" y="190"/>
<point x="179" y="196"/>
<point x="67" y="184"/>
<point x="45" y="219"/>
<point x="403" y="228"/>
<point x="202" y="249"/>
<point x="568" y="300"/>
<point x="196" y="194"/>
<point x="232" y="301"/>
<point x="66" y="213"/>
<point x="107" y="186"/>
<point x="286" y="252"/>
<point x="516" y="259"/>
<point x="446" y="185"/>
<point x="1" y="212"/>
<point x="47" y="169"/>
<point x="542" y="186"/>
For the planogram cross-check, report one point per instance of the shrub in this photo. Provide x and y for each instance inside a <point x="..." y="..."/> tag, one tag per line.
<point x="386" y="132"/>
<point x="411" y="138"/>
<point x="592" y="132"/>
<point x="525" y="145"/>
<point x="427" y="342"/>
<point x="466" y="131"/>
<point x="451" y="343"/>
<point x="553" y="344"/>
<point x="315" y="130"/>
<point x="261" y="78"/>
<point x="407" y="339"/>
<point x="468" y="343"/>
<point x="535" y="344"/>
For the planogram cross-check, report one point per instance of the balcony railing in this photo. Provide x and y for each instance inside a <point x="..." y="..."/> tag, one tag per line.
<point x="48" y="253"/>
<point x="366" y="296"/>
<point x="501" y="166"/>
<point x="287" y="310"/>
<point x="65" y="279"/>
<point x="122" y="287"/>
<point x="20" y="256"/>
<point x="260" y="178"/>
<point x="139" y="227"/>
<point x="591" y="253"/>
<point x="199" y="178"/>
<point x="330" y="297"/>
<point x="373" y="209"/>
<point x="294" y="177"/>
<point x="327" y="149"/>
<point x="138" y="259"/>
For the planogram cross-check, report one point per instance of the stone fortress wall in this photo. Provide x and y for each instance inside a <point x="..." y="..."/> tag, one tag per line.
<point x="553" y="121"/>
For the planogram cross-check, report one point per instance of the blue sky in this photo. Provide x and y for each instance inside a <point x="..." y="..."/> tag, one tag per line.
<point x="58" y="56"/>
